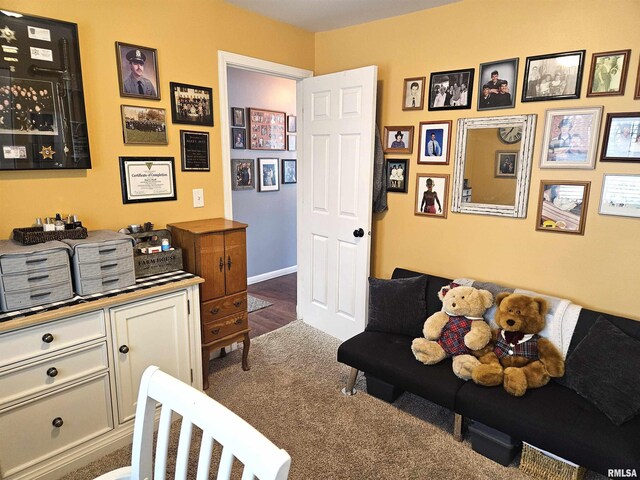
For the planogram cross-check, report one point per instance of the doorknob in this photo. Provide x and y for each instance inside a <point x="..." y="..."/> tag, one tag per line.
<point x="358" y="233"/>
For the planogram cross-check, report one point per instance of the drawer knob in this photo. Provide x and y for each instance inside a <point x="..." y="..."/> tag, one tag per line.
<point x="215" y="310"/>
<point x="52" y="372"/>
<point x="238" y="321"/>
<point x="47" y="338"/>
<point x="237" y="303"/>
<point x="57" y="422"/>
<point x="123" y="349"/>
<point x="215" y="331"/>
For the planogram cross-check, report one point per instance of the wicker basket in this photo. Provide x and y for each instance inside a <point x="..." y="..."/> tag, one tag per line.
<point x="33" y="235"/>
<point x="536" y="463"/>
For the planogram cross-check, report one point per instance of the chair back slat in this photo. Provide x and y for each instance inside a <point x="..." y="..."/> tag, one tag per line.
<point x="204" y="459"/>
<point x="226" y="463"/>
<point x="247" y="474"/>
<point x="162" y="443"/>
<point x="184" y="443"/>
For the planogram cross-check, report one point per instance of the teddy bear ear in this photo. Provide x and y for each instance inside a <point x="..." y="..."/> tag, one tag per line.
<point x="487" y="298"/>
<point x="501" y="296"/>
<point x="542" y="305"/>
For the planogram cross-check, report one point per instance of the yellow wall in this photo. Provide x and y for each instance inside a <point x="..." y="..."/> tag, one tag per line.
<point x="598" y="270"/>
<point x="187" y="35"/>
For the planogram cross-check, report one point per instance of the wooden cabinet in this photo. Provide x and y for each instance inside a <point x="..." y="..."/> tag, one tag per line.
<point x="215" y="249"/>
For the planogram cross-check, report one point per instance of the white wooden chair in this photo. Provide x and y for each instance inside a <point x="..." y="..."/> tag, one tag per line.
<point x="261" y="458"/>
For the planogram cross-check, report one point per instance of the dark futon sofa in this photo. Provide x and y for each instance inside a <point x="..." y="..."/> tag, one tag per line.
<point x="554" y="418"/>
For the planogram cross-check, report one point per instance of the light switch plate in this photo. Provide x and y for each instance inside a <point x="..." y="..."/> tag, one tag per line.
<point x="198" y="197"/>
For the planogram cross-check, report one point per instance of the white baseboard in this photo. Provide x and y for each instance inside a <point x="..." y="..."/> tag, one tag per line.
<point x="269" y="275"/>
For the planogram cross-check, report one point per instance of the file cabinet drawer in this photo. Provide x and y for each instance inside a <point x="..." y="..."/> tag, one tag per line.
<point x="33" y="261"/>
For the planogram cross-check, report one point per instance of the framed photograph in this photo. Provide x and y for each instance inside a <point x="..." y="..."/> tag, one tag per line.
<point x="195" y="151"/>
<point x="413" y="94"/>
<point x="191" y="105"/>
<point x="506" y="164"/>
<point x="147" y="179"/>
<point x="397" y="175"/>
<point x="636" y="95"/>
<point x="398" y="139"/>
<point x="608" y="74"/>
<point x="431" y="195"/>
<point x="620" y="195"/>
<point x="451" y="90"/>
<point x="571" y="138"/>
<point x="144" y="125"/>
<point x="553" y="77"/>
<point x="291" y="124"/>
<point x="434" y="144"/>
<point x="238" y="138"/>
<point x="243" y="174"/>
<point x="289" y="170"/>
<point x="138" y="71"/>
<point x="267" y="129"/>
<point x="291" y="142"/>
<point x="562" y="206"/>
<point x="621" y="142"/>
<point x="268" y="175"/>
<point x="497" y="84"/>
<point x="237" y="117"/>
<point x="43" y="122"/>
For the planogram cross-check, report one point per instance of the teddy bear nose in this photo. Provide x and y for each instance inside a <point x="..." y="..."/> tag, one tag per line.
<point x="511" y="323"/>
<point x="453" y="305"/>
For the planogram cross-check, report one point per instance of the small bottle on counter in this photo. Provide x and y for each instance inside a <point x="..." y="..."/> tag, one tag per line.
<point x="59" y="224"/>
<point x="165" y="245"/>
<point x="49" y="225"/>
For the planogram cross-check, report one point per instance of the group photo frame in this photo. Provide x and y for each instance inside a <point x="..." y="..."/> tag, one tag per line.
<point x="434" y="144"/>
<point x="413" y="93"/>
<point x="562" y="206"/>
<point x="620" y="195"/>
<point x="621" y="141"/>
<point x="267" y="129"/>
<point x="432" y="191"/>
<point x="397" y="175"/>
<point x="144" y="125"/>
<point x="451" y="90"/>
<point x="608" y="73"/>
<point x="191" y="104"/>
<point x="138" y="71"/>
<point x="398" y="139"/>
<point x="243" y="174"/>
<point x="497" y="84"/>
<point x="556" y="76"/>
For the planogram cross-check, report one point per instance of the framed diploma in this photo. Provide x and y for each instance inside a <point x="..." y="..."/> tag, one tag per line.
<point x="195" y="151"/>
<point x="147" y="179"/>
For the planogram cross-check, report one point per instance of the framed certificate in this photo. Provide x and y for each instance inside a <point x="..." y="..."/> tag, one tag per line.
<point x="147" y="179"/>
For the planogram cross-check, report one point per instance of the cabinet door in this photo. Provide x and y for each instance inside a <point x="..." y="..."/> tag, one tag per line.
<point x="235" y="249"/>
<point x="212" y="265"/>
<point x="149" y="332"/>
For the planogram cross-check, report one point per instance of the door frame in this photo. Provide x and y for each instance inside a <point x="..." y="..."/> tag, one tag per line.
<point x="228" y="59"/>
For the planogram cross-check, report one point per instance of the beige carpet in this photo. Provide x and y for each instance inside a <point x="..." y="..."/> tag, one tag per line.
<point x="292" y="395"/>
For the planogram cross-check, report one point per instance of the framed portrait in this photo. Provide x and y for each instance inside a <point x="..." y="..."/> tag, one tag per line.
<point x="289" y="170"/>
<point x="147" y="179"/>
<point x="243" y="174"/>
<point x="398" y="139"/>
<point x="43" y="122"/>
<point x="238" y="138"/>
<point x="413" y="94"/>
<point x="434" y="144"/>
<point x="621" y="141"/>
<point x="138" y="71"/>
<point x="608" y="74"/>
<point x="237" y="117"/>
<point x="267" y="129"/>
<point x="291" y="142"/>
<point x="268" y="175"/>
<point x="431" y="195"/>
<point x="571" y="138"/>
<point x="562" y="206"/>
<point x="451" y="90"/>
<point x="506" y="164"/>
<point x="191" y="105"/>
<point x="397" y="175"/>
<point x="557" y="76"/>
<point x="291" y="124"/>
<point x="620" y="195"/>
<point x="497" y="84"/>
<point x="194" y="147"/>
<point x="144" y="125"/>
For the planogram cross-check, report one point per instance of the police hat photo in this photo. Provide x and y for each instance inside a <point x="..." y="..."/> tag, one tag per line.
<point x="136" y="56"/>
<point x="134" y="80"/>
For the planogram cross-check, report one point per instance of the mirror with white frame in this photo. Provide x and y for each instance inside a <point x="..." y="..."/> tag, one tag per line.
<point x="492" y="170"/>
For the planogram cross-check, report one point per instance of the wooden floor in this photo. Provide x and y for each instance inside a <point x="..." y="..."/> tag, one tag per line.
<point x="280" y="291"/>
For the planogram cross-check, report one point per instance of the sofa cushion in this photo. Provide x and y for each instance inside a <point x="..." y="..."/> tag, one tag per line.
<point x="397" y="305"/>
<point x="603" y="368"/>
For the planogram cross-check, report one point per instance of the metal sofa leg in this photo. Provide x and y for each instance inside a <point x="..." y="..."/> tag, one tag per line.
<point x="349" y="390"/>
<point x="457" y="427"/>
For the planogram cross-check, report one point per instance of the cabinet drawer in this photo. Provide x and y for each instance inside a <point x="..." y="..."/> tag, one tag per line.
<point x="53" y="372"/>
<point x="29" y="435"/>
<point x="87" y="286"/>
<point x="33" y="261"/>
<point x="35" y="278"/>
<point x="221" y="307"/>
<point x="30" y="342"/>
<point x="104" y="267"/>
<point x="221" y="328"/>
<point x="36" y="296"/>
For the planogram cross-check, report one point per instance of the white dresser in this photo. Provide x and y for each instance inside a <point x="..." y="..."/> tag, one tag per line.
<point x="69" y="377"/>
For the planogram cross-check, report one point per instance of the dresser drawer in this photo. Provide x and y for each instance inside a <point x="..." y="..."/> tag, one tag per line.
<point x="36" y="296"/>
<point x="31" y="342"/>
<point x="221" y="328"/>
<point x="87" y="286"/>
<point x="52" y="372"/>
<point x="104" y="268"/>
<point x="29" y="435"/>
<point x="221" y="307"/>
<point x="35" y="278"/>
<point x="33" y="261"/>
<point x="99" y="252"/>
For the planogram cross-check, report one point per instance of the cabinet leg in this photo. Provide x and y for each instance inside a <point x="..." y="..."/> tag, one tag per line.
<point x="205" y="368"/>
<point x="457" y="427"/>
<point x="245" y="352"/>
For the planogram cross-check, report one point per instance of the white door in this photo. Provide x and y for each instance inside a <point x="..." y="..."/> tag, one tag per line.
<point x="338" y="131"/>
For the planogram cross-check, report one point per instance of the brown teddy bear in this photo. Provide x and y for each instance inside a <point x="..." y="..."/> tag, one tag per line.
<point x="457" y="330"/>
<point x="520" y="358"/>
